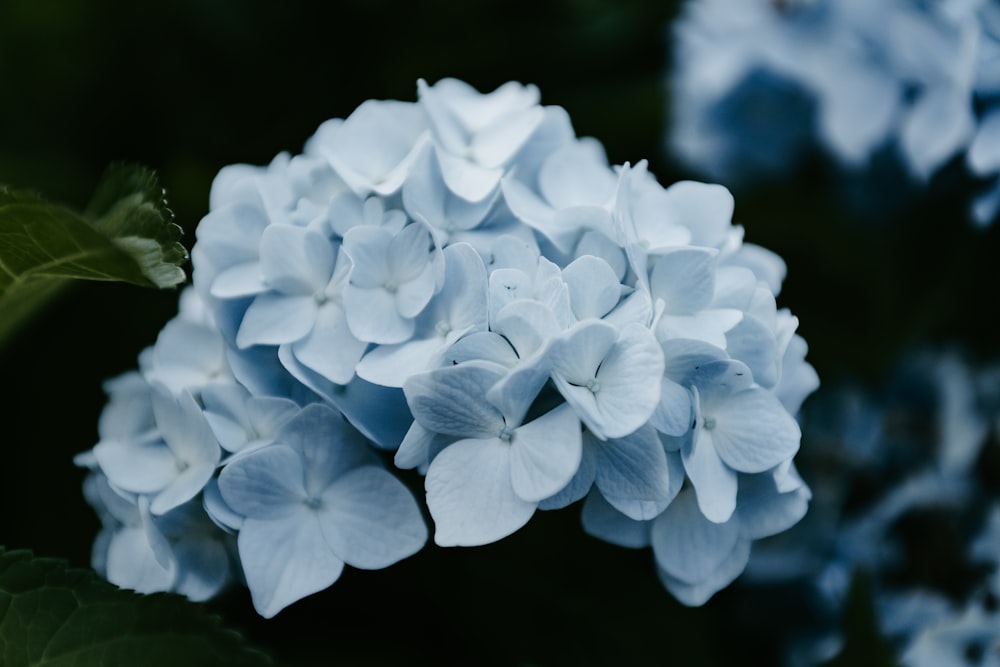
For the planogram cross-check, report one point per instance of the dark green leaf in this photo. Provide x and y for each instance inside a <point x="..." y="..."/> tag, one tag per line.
<point x="53" y="616"/>
<point x="126" y="234"/>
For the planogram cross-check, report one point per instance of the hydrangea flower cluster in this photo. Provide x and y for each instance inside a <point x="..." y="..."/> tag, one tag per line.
<point x="464" y="285"/>
<point x="934" y="432"/>
<point x="757" y="82"/>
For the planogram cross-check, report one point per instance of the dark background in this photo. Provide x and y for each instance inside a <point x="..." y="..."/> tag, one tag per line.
<point x="189" y="86"/>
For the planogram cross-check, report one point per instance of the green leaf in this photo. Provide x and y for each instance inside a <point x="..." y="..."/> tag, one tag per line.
<point x="126" y="234"/>
<point x="53" y="616"/>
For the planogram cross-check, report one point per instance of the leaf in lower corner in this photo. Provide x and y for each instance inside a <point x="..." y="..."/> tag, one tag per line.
<point x="126" y="234"/>
<point x="54" y="616"/>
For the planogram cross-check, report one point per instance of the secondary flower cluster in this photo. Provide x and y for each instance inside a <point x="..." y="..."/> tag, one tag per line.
<point x="464" y="282"/>
<point x="757" y="82"/>
<point x="933" y="433"/>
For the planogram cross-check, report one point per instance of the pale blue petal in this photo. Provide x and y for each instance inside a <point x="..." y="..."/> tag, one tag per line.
<point x="636" y="308"/>
<point x="131" y="563"/>
<point x="295" y="260"/>
<point x="582" y="481"/>
<point x="688" y="546"/>
<point x="415" y="450"/>
<point x="136" y="467"/>
<point x="466" y="179"/>
<point x="594" y="289"/>
<point x="704" y="208"/>
<point x="444" y="122"/>
<point x="754" y="344"/>
<point x="368" y="248"/>
<point x="685" y="279"/>
<point x="709" y="326"/>
<point x="273" y="319"/>
<point x="857" y="106"/>
<point x="427" y="199"/>
<point x="154" y="535"/>
<point x="983" y="157"/>
<point x="632" y="474"/>
<point x="463" y="299"/>
<point x="527" y="325"/>
<point x="555" y="130"/>
<point x="685" y="358"/>
<point x="265" y="484"/>
<point x="577" y="354"/>
<point x="373" y="148"/>
<point x="330" y="348"/>
<point x="718" y="380"/>
<point x="414" y="295"/>
<point x="373" y="316"/>
<point x="451" y="400"/>
<point x="185" y="486"/>
<point x="345" y="212"/>
<point x="285" y="559"/>
<point x="577" y="174"/>
<point x="763" y="511"/>
<point x="715" y="484"/>
<point x="484" y="346"/>
<point x="514" y="393"/>
<point x="185" y="429"/>
<point x="495" y="144"/>
<point x="409" y="252"/>
<point x="526" y="205"/>
<point x="936" y="127"/>
<point x="379" y="413"/>
<point x="985" y="207"/>
<point x="606" y="523"/>
<point x="238" y="280"/>
<point x="753" y="431"/>
<point x="267" y="414"/>
<point x="545" y="454"/>
<point x="629" y="381"/>
<point x="203" y="567"/>
<point x="370" y="519"/>
<point x="224" y="516"/>
<point x="470" y="496"/>
<point x="597" y="244"/>
<point x="392" y="365"/>
<point x="673" y="413"/>
<point x="226" y="413"/>
<point x="698" y="593"/>
<point x="328" y="445"/>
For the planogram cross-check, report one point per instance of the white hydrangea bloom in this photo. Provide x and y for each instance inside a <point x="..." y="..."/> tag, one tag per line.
<point x="463" y="281"/>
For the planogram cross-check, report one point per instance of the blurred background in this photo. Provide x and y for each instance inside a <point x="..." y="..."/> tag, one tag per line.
<point x="187" y="87"/>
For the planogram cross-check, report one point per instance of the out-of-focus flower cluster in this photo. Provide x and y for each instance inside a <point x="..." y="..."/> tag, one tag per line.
<point x="463" y="282"/>
<point x="927" y="542"/>
<point x="756" y="83"/>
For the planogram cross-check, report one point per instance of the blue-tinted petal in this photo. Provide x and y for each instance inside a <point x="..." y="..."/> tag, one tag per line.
<point x="370" y="519"/>
<point x="470" y="496"/>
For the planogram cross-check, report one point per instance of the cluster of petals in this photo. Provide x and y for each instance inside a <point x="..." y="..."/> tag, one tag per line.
<point x="756" y="82"/>
<point x="929" y="432"/>
<point x="462" y="286"/>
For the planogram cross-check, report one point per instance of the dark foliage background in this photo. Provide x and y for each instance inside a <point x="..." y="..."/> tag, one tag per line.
<point x="188" y="86"/>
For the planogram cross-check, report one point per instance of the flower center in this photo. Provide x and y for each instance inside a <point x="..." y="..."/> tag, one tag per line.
<point x="594" y="385"/>
<point x="391" y="286"/>
<point x="505" y="433"/>
<point x="442" y="328"/>
<point x="708" y="423"/>
<point x="313" y="502"/>
<point x="320" y="297"/>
